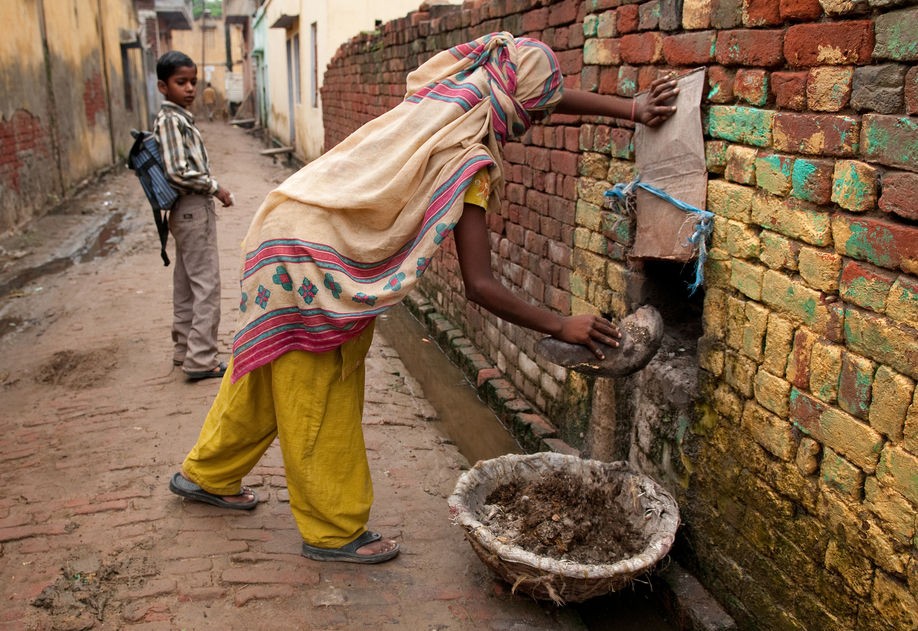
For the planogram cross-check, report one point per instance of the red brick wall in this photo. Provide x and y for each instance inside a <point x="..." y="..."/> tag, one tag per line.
<point x="796" y="461"/>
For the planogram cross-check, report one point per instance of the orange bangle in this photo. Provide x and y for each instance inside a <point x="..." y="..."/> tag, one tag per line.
<point x="633" y="105"/>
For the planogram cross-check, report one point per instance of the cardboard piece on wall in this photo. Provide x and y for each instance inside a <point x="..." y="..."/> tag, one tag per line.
<point x="671" y="158"/>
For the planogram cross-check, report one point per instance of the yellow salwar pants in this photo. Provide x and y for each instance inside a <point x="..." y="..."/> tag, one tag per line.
<point x="314" y="403"/>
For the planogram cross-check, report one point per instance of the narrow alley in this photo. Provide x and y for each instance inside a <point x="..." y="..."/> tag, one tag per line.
<point x="96" y="419"/>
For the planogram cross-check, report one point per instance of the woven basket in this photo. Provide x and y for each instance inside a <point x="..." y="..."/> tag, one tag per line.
<point x="642" y="501"/>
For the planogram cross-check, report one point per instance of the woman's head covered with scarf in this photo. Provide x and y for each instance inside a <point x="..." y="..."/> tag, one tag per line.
<point x="350" y="234"/>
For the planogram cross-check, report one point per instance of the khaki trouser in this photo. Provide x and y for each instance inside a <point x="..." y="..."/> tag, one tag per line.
<point x="313" y="402"/>
<point x="196" y="282"/>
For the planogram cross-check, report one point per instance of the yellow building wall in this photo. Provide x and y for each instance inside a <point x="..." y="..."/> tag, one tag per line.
<point x="209" y="52"/>
<point x="80" y="81"/>
<point x="336" y="22"/>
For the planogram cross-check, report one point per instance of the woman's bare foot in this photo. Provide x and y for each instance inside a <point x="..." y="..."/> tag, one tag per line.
<point x="247" y="495"/>
<point x="376" y="547"/>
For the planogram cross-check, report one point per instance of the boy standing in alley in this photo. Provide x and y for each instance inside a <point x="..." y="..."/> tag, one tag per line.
<point x="192" y="221"/>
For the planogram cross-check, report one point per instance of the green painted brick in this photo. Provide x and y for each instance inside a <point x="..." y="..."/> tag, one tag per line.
<point x="811" y="180"/>
<point x="884" y="243"/>
<point x="773" y="172"/>
<point x="895" y="35"/>
<point x="890" y="140"/>
<point x="590" y="26"/>
<point x="617" y="228"/>
<point x="865" y="286"/>
<point x="747" y="125"/>
<point x="747" y="278"/>
<point x="854" y="185"/>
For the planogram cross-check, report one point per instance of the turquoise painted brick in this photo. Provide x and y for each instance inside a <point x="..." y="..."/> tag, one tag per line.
<point x="854" y="185"/>
<point x="811" y="180"/>
<point x="895" y="35"/>
<point x="748" y="125"/>
<point x="774" y="173"/>
<point x="590" y="26"/>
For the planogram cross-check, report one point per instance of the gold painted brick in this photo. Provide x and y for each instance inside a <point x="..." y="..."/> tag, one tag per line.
<point x="754" y="331"/>
<point x="772" y="393"/>
<point x="714" y="317"/>
<point x="892" y="395"/>
<point x="820" y="269"/>
<point x="779" y="339"/>
<point x="736" y="322"/>
<point x="825" y="370"/>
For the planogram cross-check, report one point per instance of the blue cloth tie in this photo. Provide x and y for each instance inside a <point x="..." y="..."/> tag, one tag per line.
<point x="625" y="194"/>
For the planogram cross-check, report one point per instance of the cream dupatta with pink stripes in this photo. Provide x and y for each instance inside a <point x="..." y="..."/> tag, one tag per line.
<point x="349" y="235"/>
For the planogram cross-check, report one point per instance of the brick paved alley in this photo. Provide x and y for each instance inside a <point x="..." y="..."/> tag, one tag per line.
<point x="96" y="419"/>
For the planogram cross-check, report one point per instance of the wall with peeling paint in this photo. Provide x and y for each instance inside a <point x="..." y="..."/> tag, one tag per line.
<point x="69" y="96"/>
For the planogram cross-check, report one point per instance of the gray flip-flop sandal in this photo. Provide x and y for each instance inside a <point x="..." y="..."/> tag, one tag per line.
<point x="348" y="552"/>
<point x="186" y="488"/>
<point x="216" y="373"/>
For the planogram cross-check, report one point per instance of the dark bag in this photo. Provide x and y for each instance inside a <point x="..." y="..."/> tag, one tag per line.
<point x="146" y="162"/>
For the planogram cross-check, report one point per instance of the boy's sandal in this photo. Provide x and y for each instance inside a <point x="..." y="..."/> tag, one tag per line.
<point x="348" y="552"/>
<point x="186" y="488"/>
<point x="219" y="371"/>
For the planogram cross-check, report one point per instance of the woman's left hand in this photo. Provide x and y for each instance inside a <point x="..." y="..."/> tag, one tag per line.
<point x="587" y="330"/>
<point x="651" y="111"/>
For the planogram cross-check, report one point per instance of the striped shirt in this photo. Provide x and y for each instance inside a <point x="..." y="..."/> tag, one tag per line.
<point x="182" y="148"/>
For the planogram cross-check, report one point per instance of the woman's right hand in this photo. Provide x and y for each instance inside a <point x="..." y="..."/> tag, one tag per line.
<point x="651" y="111"/>
<point x="587" y="330"/>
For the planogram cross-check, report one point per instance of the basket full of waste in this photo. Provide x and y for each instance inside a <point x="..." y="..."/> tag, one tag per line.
<point x="563" y="528"/>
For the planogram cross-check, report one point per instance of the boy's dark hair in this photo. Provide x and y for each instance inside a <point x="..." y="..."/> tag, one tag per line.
<point x="170" y="62"/>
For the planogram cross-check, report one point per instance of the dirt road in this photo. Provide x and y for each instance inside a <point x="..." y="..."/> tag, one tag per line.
<point x="95" y="419"/>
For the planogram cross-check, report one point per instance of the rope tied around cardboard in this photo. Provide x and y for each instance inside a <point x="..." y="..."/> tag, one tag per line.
<point x="624" y="194"/>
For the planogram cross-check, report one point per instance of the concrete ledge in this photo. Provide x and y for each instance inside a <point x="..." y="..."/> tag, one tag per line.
<point x="693" y="608"/>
